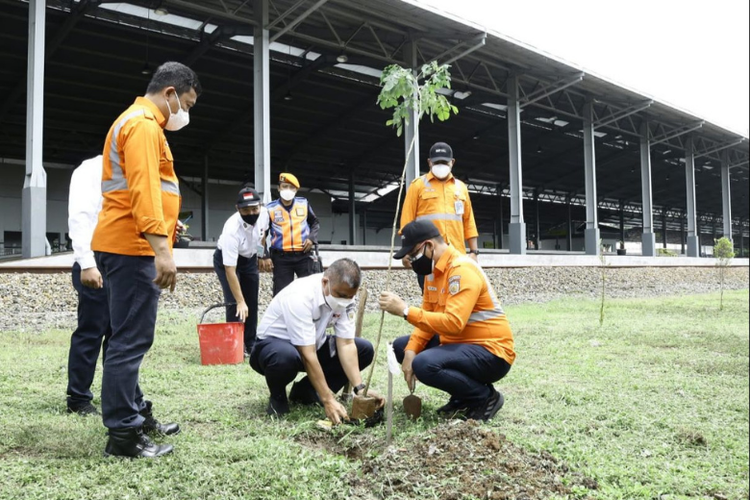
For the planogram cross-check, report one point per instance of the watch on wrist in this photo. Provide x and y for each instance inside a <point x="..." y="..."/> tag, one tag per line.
<point x="358" y="388"/>
<point x="406" y="312"/>
<point x="475" y="252"/>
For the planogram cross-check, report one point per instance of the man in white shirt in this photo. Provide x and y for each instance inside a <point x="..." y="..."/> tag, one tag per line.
<point x="94" y="328"/>
<point x="292" y="338"/>
<point x="236" y="261"/>
<point x="84" y="204"/>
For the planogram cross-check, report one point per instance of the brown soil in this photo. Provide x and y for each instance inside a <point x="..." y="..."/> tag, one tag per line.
<point x="457" y="460"/>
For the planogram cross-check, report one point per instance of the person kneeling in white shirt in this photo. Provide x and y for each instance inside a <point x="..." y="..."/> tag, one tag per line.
<point x="292" y="338"/>
<point x="236" y="261"/>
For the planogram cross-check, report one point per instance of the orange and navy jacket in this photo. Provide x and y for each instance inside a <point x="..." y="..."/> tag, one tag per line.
<point x="141" y="193"/>
<point x="446" y="203"/>
<point x="292" y="225"/>
<point x="461" y="306"/>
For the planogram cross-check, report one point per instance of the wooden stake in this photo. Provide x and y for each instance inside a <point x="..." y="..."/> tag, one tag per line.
<point x="347" y="394"/>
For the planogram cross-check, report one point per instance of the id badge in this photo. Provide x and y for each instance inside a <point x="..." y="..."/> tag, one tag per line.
<point x="459" y="207"/>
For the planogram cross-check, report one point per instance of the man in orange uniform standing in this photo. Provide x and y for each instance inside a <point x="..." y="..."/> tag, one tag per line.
<point x="133" y="248"/>
<point x="461" y="343"/>
<point x="441" y="198"/>
<point x="293" y="233"/>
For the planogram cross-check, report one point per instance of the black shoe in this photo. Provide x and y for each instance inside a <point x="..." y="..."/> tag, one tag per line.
<point x="84" y="410"/>
<point x="277" y="406"/>
<point x="132" y="442"/>
<point x="303" y="394"/>
<point x="453" y="406"/>
<point x="488" y="409"/>
<point x="152" y="426"/>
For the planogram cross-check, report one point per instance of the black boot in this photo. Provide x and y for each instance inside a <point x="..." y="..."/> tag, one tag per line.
<point x="151" y="425"/>
<point x="132" y="442"/>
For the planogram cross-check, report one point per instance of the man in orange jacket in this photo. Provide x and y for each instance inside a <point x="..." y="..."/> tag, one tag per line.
<point x="439" y="197"/>
<point x="461" y="343"/>
<point x="133" y="248"/>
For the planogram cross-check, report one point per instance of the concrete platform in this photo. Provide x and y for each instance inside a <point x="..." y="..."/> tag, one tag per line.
<point x="200" y="259"/>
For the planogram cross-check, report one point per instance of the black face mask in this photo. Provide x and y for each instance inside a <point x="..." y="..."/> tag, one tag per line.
<point x="250" y="219"/>
<point x="423" y="265"/>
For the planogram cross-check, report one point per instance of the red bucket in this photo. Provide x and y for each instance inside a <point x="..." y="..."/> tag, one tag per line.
<point x="221" y="343"/>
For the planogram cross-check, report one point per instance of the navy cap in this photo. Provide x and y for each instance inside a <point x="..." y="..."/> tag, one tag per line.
<point x="248" y="197"/>
<point x="441" y="152"/>
<point x="415" y="233"/>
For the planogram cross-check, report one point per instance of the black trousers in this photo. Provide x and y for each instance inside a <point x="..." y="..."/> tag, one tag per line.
<point x="249" y="277"/>
<point x="133" y="298"/>
<point x="286" y="265"/>
<point x="280" y="362"/>
<point x="86" y="341"/>
<point x="465" y="371"/>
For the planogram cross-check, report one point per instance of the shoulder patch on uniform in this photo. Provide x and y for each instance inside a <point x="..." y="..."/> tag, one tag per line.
<point x="454" y="284"/>
<point x="350" y="314"/>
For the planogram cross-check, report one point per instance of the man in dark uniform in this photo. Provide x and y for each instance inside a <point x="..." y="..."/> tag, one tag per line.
<point x="291" y="235"/>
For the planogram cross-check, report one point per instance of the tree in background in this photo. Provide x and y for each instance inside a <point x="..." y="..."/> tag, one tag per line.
<point x="723" y="253"/>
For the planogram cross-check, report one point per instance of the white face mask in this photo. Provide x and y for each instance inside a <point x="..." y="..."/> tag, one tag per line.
<point x="177" y="120"/>
<point x="441" y="170"/>
<point x="337" y="304"/>
<point x="287" y="194"/>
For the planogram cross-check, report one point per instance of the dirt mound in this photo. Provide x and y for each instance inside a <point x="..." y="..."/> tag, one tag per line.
<point x="459" y="460"/>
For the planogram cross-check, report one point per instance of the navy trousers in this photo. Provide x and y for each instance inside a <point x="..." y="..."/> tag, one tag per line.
<point x="286" y="265"/>
<point x="280" y="362"/>
<point x="465" y="371"/>
<point x="249" y="277"/>
<point x="91" y="336"/>
<point x="133" y="299"/>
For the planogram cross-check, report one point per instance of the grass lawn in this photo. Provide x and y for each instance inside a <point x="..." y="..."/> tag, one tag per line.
<point x="652" y="405"/>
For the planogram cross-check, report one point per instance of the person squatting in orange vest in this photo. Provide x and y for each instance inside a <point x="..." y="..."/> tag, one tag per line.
<point x="292" y="234"/>
<point x="462" y="342"/>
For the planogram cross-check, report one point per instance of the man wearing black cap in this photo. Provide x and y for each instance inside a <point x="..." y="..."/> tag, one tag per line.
<point x="236" y="261"/>
<point x="439" y="197"/>
<point x="461" y="343"/>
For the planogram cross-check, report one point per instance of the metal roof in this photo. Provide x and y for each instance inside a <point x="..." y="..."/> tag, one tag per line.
<point x="324" y="121"/>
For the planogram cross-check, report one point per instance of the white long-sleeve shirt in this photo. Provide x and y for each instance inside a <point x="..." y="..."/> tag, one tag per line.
<point x="84" y="204"/>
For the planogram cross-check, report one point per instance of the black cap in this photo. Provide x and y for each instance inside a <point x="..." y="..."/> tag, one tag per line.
<point x="440" y="152"/>
<point x="248" y="197"/>
<point x="413" y="234"/>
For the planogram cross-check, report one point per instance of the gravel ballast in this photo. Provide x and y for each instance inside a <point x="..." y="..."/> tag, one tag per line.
<point x="34" y="302"/>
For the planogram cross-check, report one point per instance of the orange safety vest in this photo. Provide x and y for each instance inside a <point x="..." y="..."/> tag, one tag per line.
<point x="461" y="306"/>
<point x="289" y="228"/>
<point x="446" y="203"/>
<point x="141" y="193"/>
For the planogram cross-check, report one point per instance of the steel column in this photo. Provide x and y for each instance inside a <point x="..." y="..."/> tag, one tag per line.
<point x="648" y="238"/>
<point x="352" y="210"/>
<point x="411" y="129"/>
<point x="204" y="200"/>
<point x="537" y="224"/>
<point x="589" y="153"/>
<point x="517" y="227"/>
<point x="501" y="239"/>
<point x="726" y="196"/>
<point x="34" y="195"/>
<point x="622" y="220"/>
<point x="261" y="101"/>
<point x="682" y="235"/>
<point x="693" y="241"/>
<point x="664" y="228"/>
<point x="570" y="223"/>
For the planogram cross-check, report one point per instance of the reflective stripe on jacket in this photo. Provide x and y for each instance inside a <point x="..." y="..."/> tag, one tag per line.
<point x="429" y="198"/>
<point x="461" y="306"/>
<point x="289" y="228"/>
<point x="141" y="193"/>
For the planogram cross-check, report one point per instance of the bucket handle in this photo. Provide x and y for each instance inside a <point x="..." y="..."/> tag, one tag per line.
<point x="214" y="307"/>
